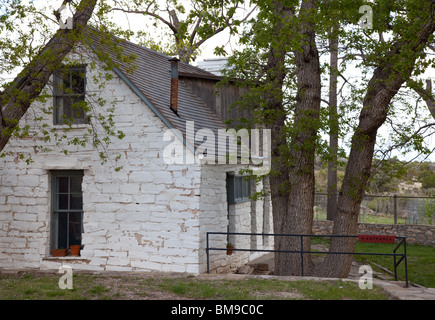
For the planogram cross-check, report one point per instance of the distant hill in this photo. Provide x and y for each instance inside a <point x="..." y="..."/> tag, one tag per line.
<point x="388" y="177"/>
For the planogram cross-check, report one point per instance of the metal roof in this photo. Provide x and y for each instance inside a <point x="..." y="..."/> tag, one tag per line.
<point x="151" y="80"/>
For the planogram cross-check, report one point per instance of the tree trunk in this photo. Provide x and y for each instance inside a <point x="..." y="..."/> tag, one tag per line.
<point x="16" y="99"/>
<point x="333" y="122"/>
<point x="274" y="119"/>
<point x="294" y="214"/>
<point x="385" y="83"/>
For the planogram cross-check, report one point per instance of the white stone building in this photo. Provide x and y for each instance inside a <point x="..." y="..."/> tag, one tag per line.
<point x="150" y="215"/>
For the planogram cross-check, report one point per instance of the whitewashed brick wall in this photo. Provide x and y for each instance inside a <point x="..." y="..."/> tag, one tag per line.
<point x="148" y="216"/>
<point x="144" y="217"/>
<point x="216" y="216"/>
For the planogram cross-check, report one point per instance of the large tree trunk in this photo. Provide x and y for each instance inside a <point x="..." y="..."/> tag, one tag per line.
<point x="275" y="118"/>
<point x="294" y="214"/>
<point x="385" y="83"/>
<point x="333" y="122"/>
<point x="16" y="99"/>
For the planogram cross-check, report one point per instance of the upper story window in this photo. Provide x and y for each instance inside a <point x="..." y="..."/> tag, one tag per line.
<point x="69" y="95"/>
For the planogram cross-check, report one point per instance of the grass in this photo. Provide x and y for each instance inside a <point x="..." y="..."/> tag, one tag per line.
<point x="42" y="286"/>
<point x="272" y="289"/>
<point x="103" y="287"/>
<point x="421" y="260"/>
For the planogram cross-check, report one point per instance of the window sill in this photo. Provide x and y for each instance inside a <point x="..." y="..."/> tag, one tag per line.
<point x="72" y="126"/>
<point x="240" y="201"/>
<point x="65" y="258"/>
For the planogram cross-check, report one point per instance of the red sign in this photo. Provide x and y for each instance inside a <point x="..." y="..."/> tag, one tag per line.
<point x="376" y="238"/>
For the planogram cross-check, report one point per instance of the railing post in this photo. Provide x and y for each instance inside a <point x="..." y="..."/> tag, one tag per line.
<point x="302" y="254"/>
<point x="395" y="208"/>
<point x="406" y="261"/>
<point x="208" y="254"/>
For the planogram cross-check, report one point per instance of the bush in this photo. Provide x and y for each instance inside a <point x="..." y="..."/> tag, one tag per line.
<point x="427" y="179"/>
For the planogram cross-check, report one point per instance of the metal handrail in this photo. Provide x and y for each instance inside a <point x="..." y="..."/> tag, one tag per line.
<point x="402" y="257"/>
<point x="302" y="252"/>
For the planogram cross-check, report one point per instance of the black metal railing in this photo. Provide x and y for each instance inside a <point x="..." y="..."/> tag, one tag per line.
<point x="301" y="251"/>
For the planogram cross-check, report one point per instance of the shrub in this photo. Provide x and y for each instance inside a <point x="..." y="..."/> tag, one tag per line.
<point x="427" y="179"/>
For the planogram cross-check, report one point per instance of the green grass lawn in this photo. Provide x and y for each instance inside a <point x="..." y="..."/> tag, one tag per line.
<point x="265" y="289"/>
<point x="40" y="286"/>
<point x="104" y="287"/>
<point x="421" y="261"/>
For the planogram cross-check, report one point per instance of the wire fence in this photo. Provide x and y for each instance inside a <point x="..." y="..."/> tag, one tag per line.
<point x="387" y="209"/>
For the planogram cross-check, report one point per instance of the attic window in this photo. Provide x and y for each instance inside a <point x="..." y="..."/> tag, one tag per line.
<point x="69" y="95"/>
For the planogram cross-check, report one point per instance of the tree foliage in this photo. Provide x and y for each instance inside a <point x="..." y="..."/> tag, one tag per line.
<point x="32" y="54"/>
<point x="387" y="56"/>
<point x="183" y="26"/>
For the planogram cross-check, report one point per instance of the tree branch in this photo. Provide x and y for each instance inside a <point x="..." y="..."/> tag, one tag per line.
<point x="18" y="96"/>
<point x="425" y="94"/>
<point x="150" y="13"/>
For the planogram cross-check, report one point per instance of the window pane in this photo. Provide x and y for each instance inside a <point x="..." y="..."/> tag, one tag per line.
<point x="78" y="81"/>
<point x="246" y="191"/>
<point x="71" y="109"/>
<point x="76" y="202"/>
<point x="76" y="184"/>
<point x="77" y="107"/>
<point x="237" y="187"/>
<point x="66" y="85"/>
<point x="75" y="228"/>
<point x="66" y="112"/>
<point x="58" y="83"/>
<point x="62" y="201"/>
<point x="58" y="109"/>
<point x="62" y="231"/>
<point x="63" y="184"/>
